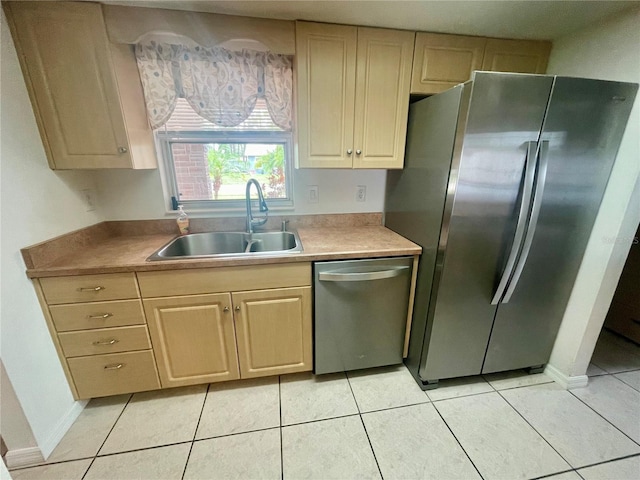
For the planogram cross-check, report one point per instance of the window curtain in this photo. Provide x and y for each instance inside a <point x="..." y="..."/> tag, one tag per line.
<point x="220" y="85"/>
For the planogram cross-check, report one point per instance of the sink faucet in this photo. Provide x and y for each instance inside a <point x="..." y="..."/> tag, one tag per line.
<point x="261" y="204"/>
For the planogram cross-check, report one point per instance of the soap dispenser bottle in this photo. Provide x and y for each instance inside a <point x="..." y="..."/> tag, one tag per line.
<point x="182" y="221"/>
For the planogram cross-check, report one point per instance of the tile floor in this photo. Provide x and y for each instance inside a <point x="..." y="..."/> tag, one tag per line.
<point x="367" y="424"/>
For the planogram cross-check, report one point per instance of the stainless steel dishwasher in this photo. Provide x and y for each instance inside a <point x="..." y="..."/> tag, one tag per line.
<point x="360" y="313"/>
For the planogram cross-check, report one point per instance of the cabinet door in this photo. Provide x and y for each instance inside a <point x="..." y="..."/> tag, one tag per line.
<point x="326" y="72"/>
<point x="274" y="331"/>
<point x="522" y="56"/>
<point x="66" y="61"/>
<point x="443" y="61"/>
<point x="382" y="97"/>
<point x="193" y="339"/>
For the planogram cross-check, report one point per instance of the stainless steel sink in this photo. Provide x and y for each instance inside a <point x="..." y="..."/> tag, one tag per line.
<point x="219" y="244"/>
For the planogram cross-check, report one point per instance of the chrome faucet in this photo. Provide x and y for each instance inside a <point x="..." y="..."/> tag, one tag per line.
<point x="261" y="204"/>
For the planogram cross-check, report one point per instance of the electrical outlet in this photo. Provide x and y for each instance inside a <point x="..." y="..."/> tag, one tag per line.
<point x="361" y="193"/>
<point x="312" y="194"/>
<point x="89" y="197"/>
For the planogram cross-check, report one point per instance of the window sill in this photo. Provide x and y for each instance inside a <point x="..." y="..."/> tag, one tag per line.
<point x="226" y="211"/>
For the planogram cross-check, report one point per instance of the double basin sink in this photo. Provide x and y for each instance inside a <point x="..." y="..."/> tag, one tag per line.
<point x="226" y="244"/>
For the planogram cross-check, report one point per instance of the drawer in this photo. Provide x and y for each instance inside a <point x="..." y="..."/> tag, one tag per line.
<point x="89" y="288"/>
<point x="104" y="340"/>
<point x="112" y="374"/>
<point x="86" y="316"/>
<point x="224" y="279"/>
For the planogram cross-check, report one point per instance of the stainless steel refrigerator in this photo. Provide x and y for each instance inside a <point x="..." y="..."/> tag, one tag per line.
<point x="503" y="179"/>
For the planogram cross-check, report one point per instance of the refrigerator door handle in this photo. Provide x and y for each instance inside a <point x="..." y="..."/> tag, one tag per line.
<point x="521" y="225"/>
<point x="541" y="178"/>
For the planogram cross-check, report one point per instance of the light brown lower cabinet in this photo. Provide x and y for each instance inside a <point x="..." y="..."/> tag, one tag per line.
<point x="273" y="329"/>
<point x="193" y="339"/>
<point x="218" y="337"/>
<point x="190" y="326"/>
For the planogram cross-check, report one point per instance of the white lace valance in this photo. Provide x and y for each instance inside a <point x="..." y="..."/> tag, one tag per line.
<point x="220" y="85"/>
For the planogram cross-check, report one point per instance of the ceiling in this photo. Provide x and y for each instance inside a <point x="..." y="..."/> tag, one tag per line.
<point x="543" y="20"/>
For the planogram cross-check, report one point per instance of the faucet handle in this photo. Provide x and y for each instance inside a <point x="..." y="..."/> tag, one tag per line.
<point x="284" y="225"/>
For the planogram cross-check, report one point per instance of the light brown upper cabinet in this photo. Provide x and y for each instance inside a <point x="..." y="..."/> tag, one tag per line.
<point x="442" y="61"/>
<point x="352" y="95"/>
<point x="523" y="56"/>
<point x="86" y="92"/>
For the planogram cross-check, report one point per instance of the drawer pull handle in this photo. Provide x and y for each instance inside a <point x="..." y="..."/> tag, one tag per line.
<point x="237" y="308"/>
<point x="113" y="341"/>
<point x="100" y="316"/>
<point x="225" y="309"/>
<point x="91" y="289"/>
<point x="114" y="366"/>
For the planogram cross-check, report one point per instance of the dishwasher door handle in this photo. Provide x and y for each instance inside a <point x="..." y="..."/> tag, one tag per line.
<point x="361" y="277"/>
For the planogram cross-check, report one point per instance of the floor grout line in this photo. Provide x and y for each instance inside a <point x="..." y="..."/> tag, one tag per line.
<point x="604" y="418"/>
<point x="551" y="475"/>
<point x="320" y="420"/>
<point x="195" y="432"/>
<point x="456" y="439"/>
<point x="607" y="461"/>
<point x="364" y="427"/>
<point x="537" y="432"/>
<point x="108" y="434"/>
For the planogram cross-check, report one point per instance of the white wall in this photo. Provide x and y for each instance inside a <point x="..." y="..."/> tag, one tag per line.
<point x="127" y="195"/>
<point x="609" y="51"/>
<point x="36" y="204"/>
<point x="16" y="432"/>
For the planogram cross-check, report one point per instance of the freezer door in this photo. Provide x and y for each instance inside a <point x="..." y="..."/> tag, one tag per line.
<point x="480" y="218"/>
<point x="580" y="138"/>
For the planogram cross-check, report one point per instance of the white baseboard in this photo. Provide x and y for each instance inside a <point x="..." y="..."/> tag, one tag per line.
<point x="565" y="380"/>
<point x="23" y="457"/>
<point x="62" y="427"/>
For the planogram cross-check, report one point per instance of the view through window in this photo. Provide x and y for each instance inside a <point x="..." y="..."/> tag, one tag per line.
<point x="209" y="166"/>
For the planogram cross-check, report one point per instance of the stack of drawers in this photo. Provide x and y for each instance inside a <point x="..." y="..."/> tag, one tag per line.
<point x="102" y="333"/>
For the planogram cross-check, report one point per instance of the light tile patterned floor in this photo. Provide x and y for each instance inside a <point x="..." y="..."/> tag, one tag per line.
<point x="366" y="424"/>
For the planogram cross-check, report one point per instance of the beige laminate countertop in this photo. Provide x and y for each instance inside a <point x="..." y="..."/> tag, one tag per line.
<point x="129" y="253"/>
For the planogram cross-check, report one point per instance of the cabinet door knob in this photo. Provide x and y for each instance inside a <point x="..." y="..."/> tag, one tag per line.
<point x="225" y="309"/>
<point x="123" y="149"/>
<point x="237" y="308"/>
<point x="349" y="151"/>
<point x="358" y="152"/>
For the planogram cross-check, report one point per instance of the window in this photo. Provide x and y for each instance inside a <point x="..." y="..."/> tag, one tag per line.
<point x="221" y="117"/>
<point x="208" y="166"/>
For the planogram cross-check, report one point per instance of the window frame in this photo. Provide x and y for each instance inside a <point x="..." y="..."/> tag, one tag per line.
<point x="166" y="138"/>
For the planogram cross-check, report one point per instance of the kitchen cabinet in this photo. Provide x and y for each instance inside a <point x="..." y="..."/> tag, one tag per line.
<point x="85" y="92"/>
<point x="273" y="328"/>
<point x="442" y="61"/>
<point x="193" y="338"/>
<point x="99" y="331"/>
<point x="229" y="322"/>
<point x="352" y="95"/>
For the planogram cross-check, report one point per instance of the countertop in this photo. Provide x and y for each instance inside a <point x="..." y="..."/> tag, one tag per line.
<point x="128" y="253"/>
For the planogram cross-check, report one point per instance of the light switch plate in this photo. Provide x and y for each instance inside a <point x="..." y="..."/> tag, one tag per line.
<point x="312" y="194"/>
<point x="89" y="198"/>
